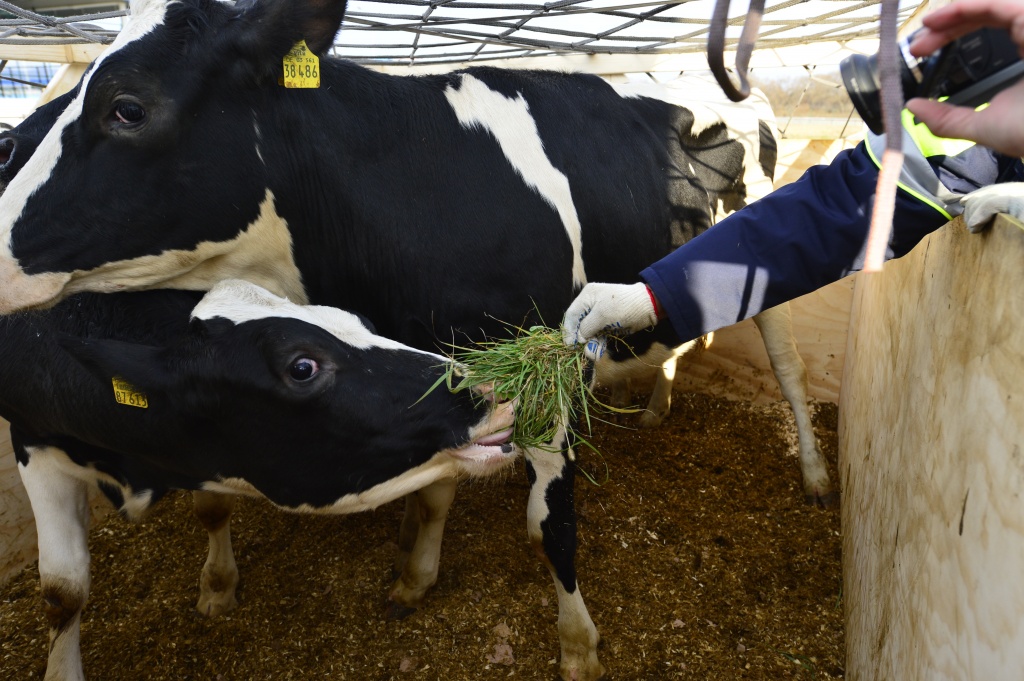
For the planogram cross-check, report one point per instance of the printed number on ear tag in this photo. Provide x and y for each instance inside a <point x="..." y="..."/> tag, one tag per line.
<point x="125" y="393"/>
<point x="301" y="67"/>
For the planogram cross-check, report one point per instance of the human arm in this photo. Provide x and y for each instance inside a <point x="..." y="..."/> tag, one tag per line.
<point x="799" y="238"/>
<point x="999" y="125"/>
<point x="810" y="233"/>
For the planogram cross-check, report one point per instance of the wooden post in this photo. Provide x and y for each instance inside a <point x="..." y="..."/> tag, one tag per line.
<point x="64" y="80"/>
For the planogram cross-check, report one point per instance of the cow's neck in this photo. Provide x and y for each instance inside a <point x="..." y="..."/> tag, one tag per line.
<point x="319" y="149"/>
<point x="66" y="397"/>
<point x="261" y="253"/>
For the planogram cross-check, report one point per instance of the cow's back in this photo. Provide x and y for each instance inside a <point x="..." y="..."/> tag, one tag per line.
<point x="731" y="148"/>
<point x="487" y="198"/>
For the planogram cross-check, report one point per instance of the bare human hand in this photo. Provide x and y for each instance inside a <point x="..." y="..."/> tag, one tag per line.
<point x="998" y="126"/>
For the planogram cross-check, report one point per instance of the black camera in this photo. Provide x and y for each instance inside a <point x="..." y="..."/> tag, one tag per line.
<point x="968" y="71"/>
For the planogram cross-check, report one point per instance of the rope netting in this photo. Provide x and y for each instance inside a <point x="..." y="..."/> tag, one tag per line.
<point x="408" y="32"/>
<point x="443" y="33"/>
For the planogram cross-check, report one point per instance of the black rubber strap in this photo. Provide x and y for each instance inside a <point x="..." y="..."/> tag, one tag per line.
<point x="716" y="47"/>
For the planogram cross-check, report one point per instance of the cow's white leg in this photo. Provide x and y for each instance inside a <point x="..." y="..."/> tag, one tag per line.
<point x="776" y="326"/>
<point x="419" y="564"/>
<point x="660" y="404"/>
<point x="551" y="527"/>
<point x="219" y="578"/>
<point x="60" y="504"/>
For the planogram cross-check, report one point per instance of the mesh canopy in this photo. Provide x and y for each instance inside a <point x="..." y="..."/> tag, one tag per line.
<point x="413" y="32"/>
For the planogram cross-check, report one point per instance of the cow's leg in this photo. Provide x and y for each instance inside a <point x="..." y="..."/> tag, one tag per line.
<point x="645" y="354"/>
<point x="219" y="578"/>
<point x="621" y="394"/>
<point x="660" y="404"/>
<point x="551" y="527"/>
<point x="419" y="557"/>
<point x="776" y="326"/>
<point x="407" y="533"/>
<point x="60" y="504"/>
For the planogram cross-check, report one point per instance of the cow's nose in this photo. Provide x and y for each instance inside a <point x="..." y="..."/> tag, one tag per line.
<point x="486" y="390"/>
<point x="504" y="403"/>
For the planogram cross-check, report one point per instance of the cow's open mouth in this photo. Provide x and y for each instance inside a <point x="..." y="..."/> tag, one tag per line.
<point x="492" y="446"/>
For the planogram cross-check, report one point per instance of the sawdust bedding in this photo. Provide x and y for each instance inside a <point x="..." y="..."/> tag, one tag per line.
<point x="698" y="560"/>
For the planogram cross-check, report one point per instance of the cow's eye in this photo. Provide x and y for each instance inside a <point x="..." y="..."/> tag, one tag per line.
<point x="129" y="113"/>
<point x="303" y="369"/>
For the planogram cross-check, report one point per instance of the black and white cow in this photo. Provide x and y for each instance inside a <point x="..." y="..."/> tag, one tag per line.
<point x="302" y="405"/>
<point x="440" y="207"/>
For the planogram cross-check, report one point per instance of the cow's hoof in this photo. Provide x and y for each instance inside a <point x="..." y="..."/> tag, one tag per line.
<point x="578" y="674"/>
<point x="649" y="419"/>
<point x="397" y="611"/>
<point x="828" y="500"/>
<point x="216" y="604"/>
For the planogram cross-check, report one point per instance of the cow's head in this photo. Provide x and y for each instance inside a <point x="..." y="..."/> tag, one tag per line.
<point x="18" y="145"/>
<point x="305" y="403"/>
<point x="151" y="170"/>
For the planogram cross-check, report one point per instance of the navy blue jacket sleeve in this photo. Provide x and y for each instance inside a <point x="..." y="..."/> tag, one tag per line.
<point x="795" y="240"/>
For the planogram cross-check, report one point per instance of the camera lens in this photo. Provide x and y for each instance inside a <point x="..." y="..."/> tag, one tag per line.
<point x="863" y="85"/>
<point x="860" y="77"/>
<point x="969" y="71"/>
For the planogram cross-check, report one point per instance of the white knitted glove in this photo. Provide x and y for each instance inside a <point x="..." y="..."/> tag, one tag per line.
<point x="982" y="205"/>
<point x="607" y="309"/>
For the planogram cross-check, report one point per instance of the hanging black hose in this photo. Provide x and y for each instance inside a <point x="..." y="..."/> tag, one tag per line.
<point x="716" y="47"/>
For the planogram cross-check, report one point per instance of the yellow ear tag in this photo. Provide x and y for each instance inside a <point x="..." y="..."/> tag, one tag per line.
<point x="125" y="393"/>
<point x="301" y="67"/>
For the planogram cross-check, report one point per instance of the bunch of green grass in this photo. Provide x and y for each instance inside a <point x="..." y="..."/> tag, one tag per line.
<point x="548" y="378"/>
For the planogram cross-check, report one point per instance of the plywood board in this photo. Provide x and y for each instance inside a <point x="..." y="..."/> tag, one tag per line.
<point x="57" y="54"/>
<point x="931" y="430"/>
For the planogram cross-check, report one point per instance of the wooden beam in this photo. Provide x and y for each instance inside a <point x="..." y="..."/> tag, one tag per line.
<point x="55" y="54"/>
<point x="64" y="80"/>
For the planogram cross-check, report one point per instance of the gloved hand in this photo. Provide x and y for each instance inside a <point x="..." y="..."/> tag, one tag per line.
<point x="981" y="205"/>
<point x="602" y="309"/>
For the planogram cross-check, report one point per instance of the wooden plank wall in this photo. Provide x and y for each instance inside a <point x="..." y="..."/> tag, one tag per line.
<point x="931" y="433"/>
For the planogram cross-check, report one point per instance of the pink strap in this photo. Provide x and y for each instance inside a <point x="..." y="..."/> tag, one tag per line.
<point x="658" y="312"/>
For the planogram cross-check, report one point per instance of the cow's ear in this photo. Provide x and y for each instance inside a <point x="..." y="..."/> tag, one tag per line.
<point x="269" y="28"/>
<point x="141" y="366"/>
